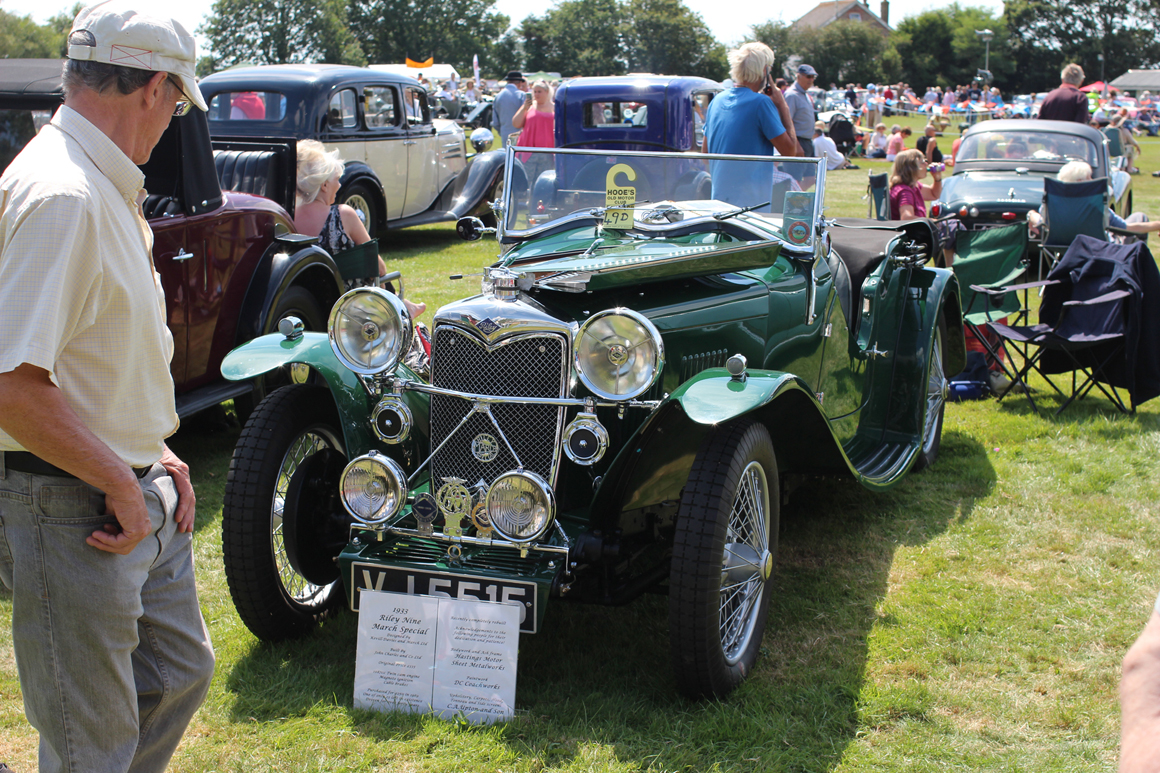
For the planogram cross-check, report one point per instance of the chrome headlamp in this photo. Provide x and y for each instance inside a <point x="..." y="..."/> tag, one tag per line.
<point x="520" y="505"/>
<point x="619" y="354"/>
<point x="369" y="330"/>
<point x="374" y="488"/>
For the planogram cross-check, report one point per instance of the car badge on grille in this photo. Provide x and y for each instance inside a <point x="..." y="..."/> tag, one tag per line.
<point x="425" y="509"/>
<point x="454" y="502"/>
<point x="481" y="521"/>
<point x="487" y="326"/>
<point x="485" y="448"/>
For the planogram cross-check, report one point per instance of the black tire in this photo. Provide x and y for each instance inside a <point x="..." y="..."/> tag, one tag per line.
<point x="293" y="427"/>
<point x="936" y="401"/>
<point x="495" y="194"/>
<point x="295" y="302"/>
<point x="731" y="496"/>
<point x="359" y="197"/>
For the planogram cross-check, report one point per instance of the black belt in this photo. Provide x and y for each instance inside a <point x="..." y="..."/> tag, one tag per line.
<point x="22" y="461"/>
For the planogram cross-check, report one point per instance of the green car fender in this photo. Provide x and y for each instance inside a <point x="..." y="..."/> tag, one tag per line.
<point x="654" y="465"/>
<point x="269" y="352"/>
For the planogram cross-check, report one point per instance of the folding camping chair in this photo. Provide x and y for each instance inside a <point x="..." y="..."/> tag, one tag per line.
<point x="1071" y="209"/>
<point x="876" y="192"/>
<point x="985" y="260"/>
<point x="1091" y="324"/>
<point x="1115" y="146"/>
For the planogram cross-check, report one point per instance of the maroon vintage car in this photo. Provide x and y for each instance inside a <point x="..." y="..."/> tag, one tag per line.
<point x="230" y="262"/>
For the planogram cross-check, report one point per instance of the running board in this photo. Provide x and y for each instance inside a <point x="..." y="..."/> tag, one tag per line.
<point x="197" y="400"/>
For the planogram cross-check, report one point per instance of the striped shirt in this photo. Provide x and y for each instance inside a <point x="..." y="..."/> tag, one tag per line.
<point x="79" y="296"/>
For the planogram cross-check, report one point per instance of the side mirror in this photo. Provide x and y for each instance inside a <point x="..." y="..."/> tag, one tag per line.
<point x="482" y="139"/>
<point x="471" y="229"/>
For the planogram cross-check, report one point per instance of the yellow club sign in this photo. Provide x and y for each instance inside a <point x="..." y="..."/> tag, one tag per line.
<point x="618" y="199"/>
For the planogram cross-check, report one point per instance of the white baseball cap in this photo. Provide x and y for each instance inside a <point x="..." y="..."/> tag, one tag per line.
<point x="127" y="38"/>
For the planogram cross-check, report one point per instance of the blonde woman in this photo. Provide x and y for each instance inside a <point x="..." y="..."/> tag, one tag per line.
<point x="337" y="225"/>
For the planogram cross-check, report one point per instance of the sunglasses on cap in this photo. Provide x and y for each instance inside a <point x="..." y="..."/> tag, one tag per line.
<point x="183" y="106"/>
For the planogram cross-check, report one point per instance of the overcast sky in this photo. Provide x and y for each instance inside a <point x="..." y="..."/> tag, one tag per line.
<point x="729" y="20"/>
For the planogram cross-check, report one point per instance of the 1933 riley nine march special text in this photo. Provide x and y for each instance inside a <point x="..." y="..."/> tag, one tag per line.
<point x="650" y="357"/>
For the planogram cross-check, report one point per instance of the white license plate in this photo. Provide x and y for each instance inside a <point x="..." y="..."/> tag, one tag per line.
<point x="417" y="582"/>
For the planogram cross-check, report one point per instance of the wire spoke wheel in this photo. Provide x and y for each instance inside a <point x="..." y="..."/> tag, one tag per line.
<point x="937" y="385"/>
<point x="296" y="586"/>
<point x="288" y="430"/>
<point x="724" y="554"/>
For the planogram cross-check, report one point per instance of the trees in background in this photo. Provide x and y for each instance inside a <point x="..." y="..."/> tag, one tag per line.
<point x="612" y="37"/>
<point x="941" y="47"/>
<point x="280" y="32"/>
<point x="1047" y="34"/>
<point x="449" y="30"/>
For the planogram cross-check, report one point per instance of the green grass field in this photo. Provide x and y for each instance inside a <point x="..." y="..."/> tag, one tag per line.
<point x="972" y="618"/>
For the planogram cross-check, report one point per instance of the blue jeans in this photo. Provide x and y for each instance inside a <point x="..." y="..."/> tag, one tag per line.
<point x="112" y="651"/>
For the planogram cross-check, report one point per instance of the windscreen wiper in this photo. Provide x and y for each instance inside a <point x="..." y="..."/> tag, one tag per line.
<point x="743" y="210"/>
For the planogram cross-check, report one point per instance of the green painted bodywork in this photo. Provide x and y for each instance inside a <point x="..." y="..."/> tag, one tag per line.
<point x="833" y="401"/>
<point x="621" y="261"/>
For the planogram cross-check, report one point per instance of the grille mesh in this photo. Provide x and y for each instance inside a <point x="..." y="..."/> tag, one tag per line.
<point x="523" y="367"/>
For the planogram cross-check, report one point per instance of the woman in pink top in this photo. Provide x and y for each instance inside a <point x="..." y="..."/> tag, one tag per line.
<point x="897" y="143"/>
<point x="908" y="196"/>
<point x="537" y="118"/>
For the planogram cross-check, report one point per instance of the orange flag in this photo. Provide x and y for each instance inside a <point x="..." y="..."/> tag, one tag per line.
<point x="427" y="63"/>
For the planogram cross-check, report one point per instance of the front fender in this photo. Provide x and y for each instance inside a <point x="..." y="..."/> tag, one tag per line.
<point x="715" y="397"/>
<point x="354" y="405"/>
<point x="654" y="465"/>
<point x="482" y="173"/>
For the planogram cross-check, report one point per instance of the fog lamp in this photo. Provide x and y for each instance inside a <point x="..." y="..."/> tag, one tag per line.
<point x="374" y="488"/>
<point x="521" y="505"/>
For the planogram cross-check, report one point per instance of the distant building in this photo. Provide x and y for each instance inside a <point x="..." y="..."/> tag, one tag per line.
<point x="847" y="10"/>
<point x="1138" y="80"/>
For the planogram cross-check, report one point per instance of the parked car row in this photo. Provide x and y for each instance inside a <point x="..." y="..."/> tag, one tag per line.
<point x="221" y="196"/>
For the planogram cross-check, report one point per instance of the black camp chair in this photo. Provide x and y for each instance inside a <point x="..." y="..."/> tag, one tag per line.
<point x="1095" y="322"/>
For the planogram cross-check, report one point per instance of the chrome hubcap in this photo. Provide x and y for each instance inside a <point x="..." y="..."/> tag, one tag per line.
<point x="297" y="587"/>
<point x="747" y="563"/>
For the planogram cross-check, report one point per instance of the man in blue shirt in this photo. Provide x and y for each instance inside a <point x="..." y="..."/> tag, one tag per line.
<point x="743" y="121"/>
<point x="506" y="104"/>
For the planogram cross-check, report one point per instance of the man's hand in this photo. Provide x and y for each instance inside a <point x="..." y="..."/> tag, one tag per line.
<point x="127" y="504"/>
<point x="186" y="501"/>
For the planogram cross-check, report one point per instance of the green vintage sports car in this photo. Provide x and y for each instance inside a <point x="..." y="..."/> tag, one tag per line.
<point x="656" y="350"/>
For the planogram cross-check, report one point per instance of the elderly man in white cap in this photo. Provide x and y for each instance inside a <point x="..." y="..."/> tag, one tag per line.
<point x="96" y="513"/>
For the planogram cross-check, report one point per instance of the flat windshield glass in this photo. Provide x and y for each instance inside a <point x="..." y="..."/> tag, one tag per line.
<point x="647" y="191"/>
<point x="1027" y="146"/>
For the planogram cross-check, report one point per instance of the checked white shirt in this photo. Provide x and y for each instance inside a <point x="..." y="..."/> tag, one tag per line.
<point x="79" y="295"/>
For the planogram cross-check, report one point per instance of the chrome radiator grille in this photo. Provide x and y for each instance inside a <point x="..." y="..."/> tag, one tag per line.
<point x="521" y="366"/>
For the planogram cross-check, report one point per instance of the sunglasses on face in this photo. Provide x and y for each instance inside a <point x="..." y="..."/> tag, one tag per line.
<point x="183" y="106"/>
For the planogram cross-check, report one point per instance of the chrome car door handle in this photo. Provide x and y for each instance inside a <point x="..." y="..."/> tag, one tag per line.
<point x="409" y="142"/>
<point x="183" y="255"/>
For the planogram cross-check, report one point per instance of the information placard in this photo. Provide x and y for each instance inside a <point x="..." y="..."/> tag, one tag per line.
<point x="456" y="657"/>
